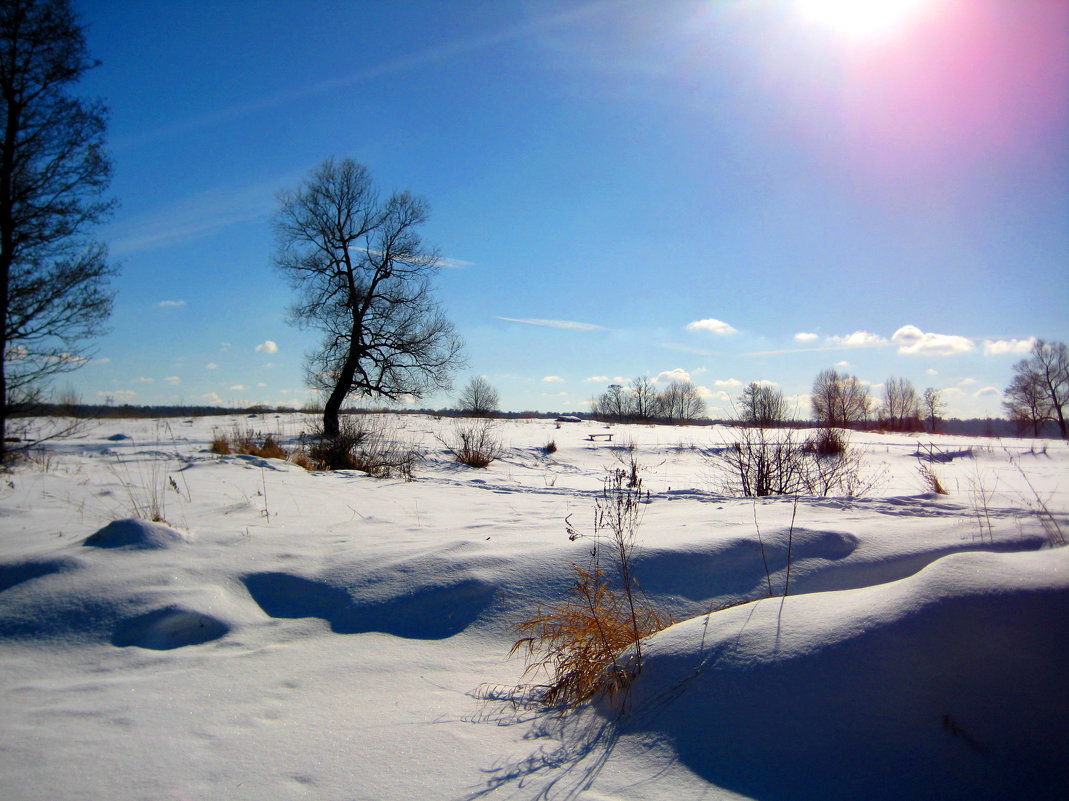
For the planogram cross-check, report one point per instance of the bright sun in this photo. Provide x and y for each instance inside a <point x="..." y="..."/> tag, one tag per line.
<point x="861" y="18"/>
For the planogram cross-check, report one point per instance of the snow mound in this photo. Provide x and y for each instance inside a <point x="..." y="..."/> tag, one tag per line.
<point x="947" y="684"/>
<point x="169" y="628"/>
<point x="16" y="573"/>
<point x="134" y="534"/>
<point x="424" y="613"/>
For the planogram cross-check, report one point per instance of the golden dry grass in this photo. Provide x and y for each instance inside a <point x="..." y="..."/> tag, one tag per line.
<point x="583" y="641"/>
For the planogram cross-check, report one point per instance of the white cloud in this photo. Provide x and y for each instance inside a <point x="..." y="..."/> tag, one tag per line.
<point x="988" y="392"/>
<point x="267" y="346"/>
<point x="732" y="383"/>
<point x="843" y="365"/>
<point x="211" y="398"/>
<point x="966" y="382"/>
<point x="805" y="336"/>
<point x="859" y="339"/>
<point x="678" y="374"/>
<point x="173" y="380"/>
<point x="102" y="360"/>
<point x="712" y="325"/>
<point x="224" y="347"/>
<point x="570" y="325"/>
<point x="931" y="372"/>
<point x="911" y="340"/>
<point x="553" y="379"/>
<point x="211" y="366"/>
<point x="238" y="387"/>
<point x="171" y="304"/>
<point x="596" y="379"/>
<point x="261" y="384"/>
<point x="144" y="380"/>
<point x="1000" y="347"/>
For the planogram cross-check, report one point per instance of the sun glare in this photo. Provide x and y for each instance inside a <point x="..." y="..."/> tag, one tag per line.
<point x="860" y="19"/>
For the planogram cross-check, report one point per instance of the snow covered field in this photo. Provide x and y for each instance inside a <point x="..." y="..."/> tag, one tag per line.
<point x="335" y="636"/>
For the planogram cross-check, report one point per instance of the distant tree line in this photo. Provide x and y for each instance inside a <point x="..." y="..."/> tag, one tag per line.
<point x="641" y="402"/>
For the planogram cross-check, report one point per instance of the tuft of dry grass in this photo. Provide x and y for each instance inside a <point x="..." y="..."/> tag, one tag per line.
<point x="931" y="480"/>
<point x="591" y="642"/>
<point x="585" y="642"/>
<point x="220" y="444"/>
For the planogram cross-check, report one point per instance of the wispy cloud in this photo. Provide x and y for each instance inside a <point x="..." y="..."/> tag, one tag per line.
<point x="859" y="339"/>
<point x="211" y="366"/>
<point x="552" y="379"/>
<point x="805" y="336"/>
<point x="173" y="380"/>
<point x="171" y="304"/>
<point x="712" y="325"/>
<point x="195" y="216"/>
<point x="570" y="325"/>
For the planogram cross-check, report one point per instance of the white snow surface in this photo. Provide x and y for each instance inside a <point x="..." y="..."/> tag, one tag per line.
<point x="289" y="634"/>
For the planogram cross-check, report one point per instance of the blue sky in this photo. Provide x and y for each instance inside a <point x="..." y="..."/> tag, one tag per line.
<point x="727" y="190"/>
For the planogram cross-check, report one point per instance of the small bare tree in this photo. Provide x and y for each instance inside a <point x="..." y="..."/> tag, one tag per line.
<point x="612" y="404"/>
<point x="762" y="404"/>
<point x="1039" y="390"/>
<point x="643" y="401"/>
<point x="839" y="400"/>
<point x="478" y="398"/>
<point x="933" y="407"/>
<point x="363" y="277"/>
<point x="53" y="172"/>
<point x="680" y="402"/>
<point x="901" y="407"/>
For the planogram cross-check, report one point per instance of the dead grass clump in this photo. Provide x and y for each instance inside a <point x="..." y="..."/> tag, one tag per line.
<point x="366" y="444"/>
<point x="474" y="444"/>
<point x="220" y="444"/>
<point x="271" y="449"/>
<point x="592" y="641"/>
<point x="931" y="480"/>
<point x="583" y="642"/>
<point x="828" y="442"/>
<point x="550" y="447"/>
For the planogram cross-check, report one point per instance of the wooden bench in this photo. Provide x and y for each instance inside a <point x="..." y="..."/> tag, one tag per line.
<point x="594" y="437"/>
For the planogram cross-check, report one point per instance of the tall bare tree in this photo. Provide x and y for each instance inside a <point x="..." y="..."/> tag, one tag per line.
<point x="933" y="406"/>
<point x="612" y="404"/>
<point x="53" y="278"/>
<point x="642" y="401"/>
<point x="762" y="404"/>
<point x="1039" y="390"/>
<point x="839" y="400"/>
<point x="680" y="402"/>
<point x="363" y="277"/>
<point x="478" y="398"/>
<point x="900" y="410"/>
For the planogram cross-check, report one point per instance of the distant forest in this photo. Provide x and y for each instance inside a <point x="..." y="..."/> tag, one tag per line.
<point x="975" y="427"/>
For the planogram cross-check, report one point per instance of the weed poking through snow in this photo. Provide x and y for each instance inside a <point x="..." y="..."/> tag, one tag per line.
<point x="591" y="642"/>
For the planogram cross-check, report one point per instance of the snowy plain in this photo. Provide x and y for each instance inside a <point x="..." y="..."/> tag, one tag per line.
<point x="292" y="634"/>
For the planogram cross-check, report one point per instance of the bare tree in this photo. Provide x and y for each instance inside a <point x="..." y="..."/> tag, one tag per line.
<point x="839" y="400"/>
<point x="612" y="404"/>
<point x="363" y="277"/>
<point x="933" y="407"/>
<point x="680" y="402"/>
<point x="53" y="278"/>
<point x="642" y="402"/>
<point x="901" y="407"/>
<point x="478" y="398"/>
<point x="1039" y="390"/>
<point x="762" y="404"/>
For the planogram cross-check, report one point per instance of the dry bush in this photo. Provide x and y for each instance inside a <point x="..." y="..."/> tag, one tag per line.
<point x="828" y="442"/>
<point x="591" y="642"/>
<point x="271" y="449"/>
<point x="474" y="444"/>
<point x="763" y="462"/>
<point x="930" y="479"/>
<point x="364" y="443"/>
<point x="583" y="642"/>
<point x="550" y="447"/>
<point x="220" y="444"/>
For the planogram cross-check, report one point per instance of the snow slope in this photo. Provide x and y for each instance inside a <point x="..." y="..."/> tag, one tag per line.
<point x="289" y="634"/>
